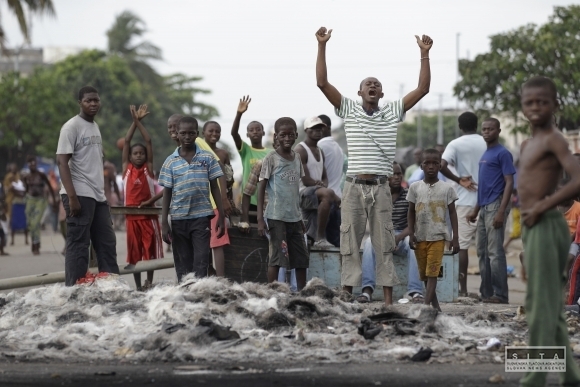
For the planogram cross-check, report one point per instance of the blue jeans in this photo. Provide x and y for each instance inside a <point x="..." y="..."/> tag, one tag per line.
<point x="403" y="249"/>
<point x="491" y="254"/>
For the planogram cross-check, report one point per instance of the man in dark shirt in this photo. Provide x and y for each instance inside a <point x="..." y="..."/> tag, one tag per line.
<point x="400" y="209"/>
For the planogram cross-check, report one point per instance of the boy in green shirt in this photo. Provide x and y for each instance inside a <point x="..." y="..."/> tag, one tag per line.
<point x="250" y="154"/>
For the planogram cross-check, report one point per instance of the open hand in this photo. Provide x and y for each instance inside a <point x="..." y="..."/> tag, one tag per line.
<point x="322" y="36"/>
<point x="468" y="184"/>
<point x="424" y="42"/>
<point x="133" y="112"/>
<point x="142" y="112"/>
<point x="243" y="105"/>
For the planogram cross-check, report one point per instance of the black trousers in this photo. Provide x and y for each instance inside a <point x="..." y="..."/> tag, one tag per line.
<point x="190" y="241"/>
<point x="92" y="225"/>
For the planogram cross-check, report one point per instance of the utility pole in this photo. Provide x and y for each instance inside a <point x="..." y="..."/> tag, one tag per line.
<point x="440" y="121"/>
<point x="419" y="128"/>
<point x="457" y="79"/>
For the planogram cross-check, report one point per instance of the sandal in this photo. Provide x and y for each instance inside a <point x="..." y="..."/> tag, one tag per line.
<point x="417" y="298"/>
<point x="364" y="298"/>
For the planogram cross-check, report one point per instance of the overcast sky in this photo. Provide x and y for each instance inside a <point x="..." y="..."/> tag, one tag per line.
<point x="267" y="49"/>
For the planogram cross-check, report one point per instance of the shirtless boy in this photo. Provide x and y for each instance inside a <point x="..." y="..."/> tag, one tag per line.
<point x="545" y="235"/>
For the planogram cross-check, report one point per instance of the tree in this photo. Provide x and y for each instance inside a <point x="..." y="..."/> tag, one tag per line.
<point x="35" y="108"/>
<point x="492" y="81"/>
<point x="40" y="7"/>
<point x="126" y="28"/>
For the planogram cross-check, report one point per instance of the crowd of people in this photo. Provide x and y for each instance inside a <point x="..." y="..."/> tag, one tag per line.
<point x="303" y="198"/>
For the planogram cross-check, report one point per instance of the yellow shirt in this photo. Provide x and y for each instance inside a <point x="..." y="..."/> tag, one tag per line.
<point x="203" y="145"/>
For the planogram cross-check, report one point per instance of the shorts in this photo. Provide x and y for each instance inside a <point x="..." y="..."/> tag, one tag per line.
<point x="143" y="240"/>
<point x="225" y="239"/>
<point x="429" y="256"/>
<point x="287" y="246"/>
<point x="466" y="230"/>
<point x="516" y="224"/>
<point x="308" y="198"/>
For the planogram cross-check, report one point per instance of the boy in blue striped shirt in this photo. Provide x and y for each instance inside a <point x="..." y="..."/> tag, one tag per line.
<point x="184" y="176"/>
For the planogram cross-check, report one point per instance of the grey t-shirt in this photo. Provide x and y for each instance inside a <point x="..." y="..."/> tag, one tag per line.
<point x="431" y="204"/>
<point x="282" y="187"/>
<point x="82" y="139"/>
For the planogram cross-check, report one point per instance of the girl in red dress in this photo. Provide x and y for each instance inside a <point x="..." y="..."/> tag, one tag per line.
<point x="143" y="231"/>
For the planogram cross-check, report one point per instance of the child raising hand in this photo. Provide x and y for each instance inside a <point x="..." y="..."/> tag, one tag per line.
<point x="143" y="231"/>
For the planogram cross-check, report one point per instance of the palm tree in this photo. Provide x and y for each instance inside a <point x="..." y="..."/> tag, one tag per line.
<point x="40" y="7"/>
<point x="125" y="29"/>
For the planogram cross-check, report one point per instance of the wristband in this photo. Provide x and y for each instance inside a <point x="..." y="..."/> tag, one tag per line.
<point x="425" y="57"/>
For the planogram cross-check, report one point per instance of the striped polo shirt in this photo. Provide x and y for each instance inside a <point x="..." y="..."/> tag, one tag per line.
<point x="400" y="209"/>
<point x="372" y="152"/>
<point x="189" y="183"/>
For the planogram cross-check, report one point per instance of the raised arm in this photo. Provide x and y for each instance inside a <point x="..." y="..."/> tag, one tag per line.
<point x="331" y="93"/>
<point x="139" y="115"/>
<point x="242" y="107"/>
<point x="425" y="43"/>
<point x="127" y="144"/>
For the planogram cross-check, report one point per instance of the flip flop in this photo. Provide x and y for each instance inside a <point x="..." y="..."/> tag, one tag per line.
<point x="417" y="298"/>
<point x="364" y="298"/>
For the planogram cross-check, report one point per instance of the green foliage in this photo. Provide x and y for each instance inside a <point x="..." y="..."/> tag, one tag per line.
<point x="492" y="81"/>
<point x="35" y="108"/>
<point x="407" y="133"/>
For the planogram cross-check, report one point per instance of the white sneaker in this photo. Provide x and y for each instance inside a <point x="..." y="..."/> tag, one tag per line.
<point x="323" y="244"/>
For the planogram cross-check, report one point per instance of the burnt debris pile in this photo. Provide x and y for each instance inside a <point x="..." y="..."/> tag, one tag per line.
<point x="214" y="319"/>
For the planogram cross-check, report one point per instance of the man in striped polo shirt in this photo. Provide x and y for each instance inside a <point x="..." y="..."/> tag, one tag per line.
<point x="371" y="134"/>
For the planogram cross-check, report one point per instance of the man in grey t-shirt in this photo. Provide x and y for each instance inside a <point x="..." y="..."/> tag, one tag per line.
<point x="80" y="160"/>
